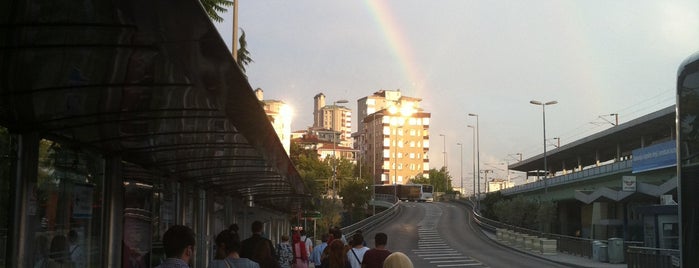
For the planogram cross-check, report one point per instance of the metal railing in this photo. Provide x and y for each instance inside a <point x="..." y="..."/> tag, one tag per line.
<point x="366" y="225"/>
<point x="585" y="174"/>
<point x="569" y="244"/>
<point x="641" y="257"/>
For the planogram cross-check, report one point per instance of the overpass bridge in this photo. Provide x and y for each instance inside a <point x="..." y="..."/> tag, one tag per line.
<point x="601" y="182"/>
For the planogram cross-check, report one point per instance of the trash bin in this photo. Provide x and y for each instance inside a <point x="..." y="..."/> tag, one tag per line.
<point x="616" y="250"/>
<point x="603" y="252"/>
<point x="595" y="250"/>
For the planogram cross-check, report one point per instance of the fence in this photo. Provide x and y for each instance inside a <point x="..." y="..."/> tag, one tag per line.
<point x="640" y="257"/>
<point x="369" y="223"/>
<point x="569" y="244"/>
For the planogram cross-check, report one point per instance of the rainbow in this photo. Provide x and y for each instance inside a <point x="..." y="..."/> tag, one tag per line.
<point x="394" y="36"/>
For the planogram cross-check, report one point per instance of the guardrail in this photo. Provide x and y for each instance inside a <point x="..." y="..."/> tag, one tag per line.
<point x="366" y="225"/>
<point x="641" y="257"/>
<point x="569" y="244"/>
<point x="585" y="174"/>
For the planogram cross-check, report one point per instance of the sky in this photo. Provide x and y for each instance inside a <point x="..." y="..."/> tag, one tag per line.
<point x="485" y="57"/>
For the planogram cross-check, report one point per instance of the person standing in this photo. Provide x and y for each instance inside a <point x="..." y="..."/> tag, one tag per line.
<point x="228" y="245"/>
<point x="307" y="240"/>
<point x="375" y="257"/>
<point x="300" y="253"/>
<point x="356" y="252"/>
<point x="286" y="255"/>
<point x="178" y="243"/>
<point x="336" y="256"/>
<point x="318" y="250"/>
<point x="252" y="244"/>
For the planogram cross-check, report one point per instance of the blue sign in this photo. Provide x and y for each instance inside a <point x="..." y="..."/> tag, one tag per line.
<point x="656" y="156"/>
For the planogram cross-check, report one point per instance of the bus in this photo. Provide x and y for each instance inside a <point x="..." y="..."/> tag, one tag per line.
<point x="407" y="192"/>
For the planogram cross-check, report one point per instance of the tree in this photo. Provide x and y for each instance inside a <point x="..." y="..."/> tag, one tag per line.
<point x="314" y="173"/>
<point x="244" y="58"/>
<point x="214" y="7"/>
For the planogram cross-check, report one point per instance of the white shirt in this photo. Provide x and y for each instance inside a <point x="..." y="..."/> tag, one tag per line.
<point x="309" y="243"/>
<point x="360" y="255"/>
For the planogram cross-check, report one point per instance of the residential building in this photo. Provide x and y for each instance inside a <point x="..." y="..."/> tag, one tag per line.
<point x="393" y="138"/>
<point x="279" y="114"/>
<point x="333" y="117"/>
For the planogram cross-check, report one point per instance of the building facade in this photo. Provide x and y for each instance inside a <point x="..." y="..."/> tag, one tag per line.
<point x="333" y="117"/>
<point x="393" y="137"/>
<point x="279" y="114"/>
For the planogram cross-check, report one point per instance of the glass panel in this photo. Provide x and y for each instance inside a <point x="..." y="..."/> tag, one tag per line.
<point x="138" y="224"/>
<point x="6" y="156"/>
<point x="64" y="210"/>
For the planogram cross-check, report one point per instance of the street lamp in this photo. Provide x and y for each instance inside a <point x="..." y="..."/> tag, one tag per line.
<point x="461" y="169"/>
<point x="474" y="158"/>
<point x="332" y="127"/>
<point x="543" y="110"/>
<point x="478" y="155"/>
<point x="444" y="163"/>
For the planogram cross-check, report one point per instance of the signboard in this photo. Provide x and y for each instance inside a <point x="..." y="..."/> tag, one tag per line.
<point x="312" y="215"/>
<point x="628" y="183"/>
<point x="656" y="156"/>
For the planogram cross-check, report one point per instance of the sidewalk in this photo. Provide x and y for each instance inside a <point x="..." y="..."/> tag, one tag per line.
<point x="561" y="258"/>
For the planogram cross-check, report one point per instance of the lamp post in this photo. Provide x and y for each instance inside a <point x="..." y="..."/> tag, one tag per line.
<point x="332" y="127"/>
<point x="478" y="157"/>
<point x="461" y="168"/>
<point x="474" y="159"/>
<point x="543" y="110"/>
<point x="444" y="163"/>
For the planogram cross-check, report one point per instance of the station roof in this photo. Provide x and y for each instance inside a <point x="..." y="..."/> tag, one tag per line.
<point x="657" y="126"/>
<point x="150" y="81"/>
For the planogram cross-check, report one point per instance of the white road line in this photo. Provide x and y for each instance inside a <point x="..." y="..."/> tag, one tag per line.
<point x="468" y="260"/>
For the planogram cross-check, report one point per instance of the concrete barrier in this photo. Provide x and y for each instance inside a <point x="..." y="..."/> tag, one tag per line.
<point x="548" y="246"/>
<point x="519" y="240"/>
<point x="499" y="232"/>
<point x="528" y="242"/>
<point x="507" y="237"/>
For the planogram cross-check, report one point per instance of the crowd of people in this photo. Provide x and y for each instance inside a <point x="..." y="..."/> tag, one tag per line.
<point x="258" y="252"/>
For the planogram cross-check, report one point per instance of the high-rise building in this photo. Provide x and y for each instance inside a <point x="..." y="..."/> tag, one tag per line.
<point x="333" y="117"/>
<point x="279" y="114"/>
<point x="393" y="137"/>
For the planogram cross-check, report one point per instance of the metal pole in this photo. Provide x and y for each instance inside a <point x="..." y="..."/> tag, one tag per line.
<point x="444" y="152"/>
<point x="461" y="168"/>
<point x="395" y="164"/>
<point x="474" y="159"/>
<point x="543" y="111"/>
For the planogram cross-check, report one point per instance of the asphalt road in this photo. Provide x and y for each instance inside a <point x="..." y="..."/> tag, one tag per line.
<point x="443" y="235"/>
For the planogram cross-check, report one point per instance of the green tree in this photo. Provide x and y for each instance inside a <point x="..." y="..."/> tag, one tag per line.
<point x="214" y="7"/>
<point x="244" y="58"/>
<point x="314" y="173"/>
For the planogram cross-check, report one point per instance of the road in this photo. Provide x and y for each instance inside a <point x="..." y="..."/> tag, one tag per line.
<point x="443" y="235"/>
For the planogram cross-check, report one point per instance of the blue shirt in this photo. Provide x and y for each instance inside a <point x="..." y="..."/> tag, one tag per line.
<point x="173" y="263"/>
<point x="317" y="251"/>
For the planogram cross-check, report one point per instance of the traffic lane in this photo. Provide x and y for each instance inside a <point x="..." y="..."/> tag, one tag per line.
<point x="464" y="235"/>
<point x="401" y="231"/>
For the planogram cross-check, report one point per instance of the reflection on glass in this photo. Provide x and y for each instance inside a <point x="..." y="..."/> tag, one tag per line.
<point x="64" y="207"/>
<point x="6" y="159"/>
<point x="138" y="232"/>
